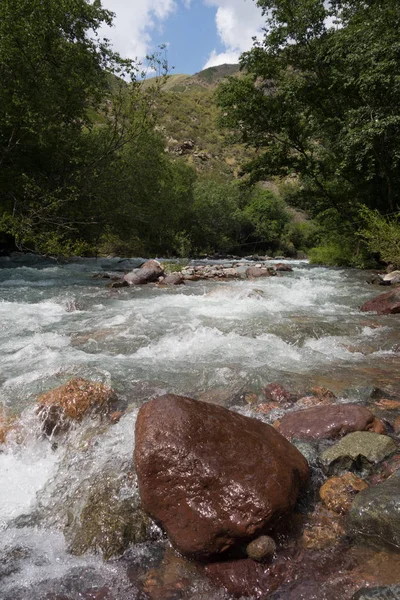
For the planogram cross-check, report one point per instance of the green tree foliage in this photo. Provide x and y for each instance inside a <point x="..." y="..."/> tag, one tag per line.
<point x="322" y="99"/>
<point x="382" y="236"/>
<point x="65" y="123"/>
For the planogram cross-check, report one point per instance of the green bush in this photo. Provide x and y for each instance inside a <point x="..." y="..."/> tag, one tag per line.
<point x="382" y="235"/>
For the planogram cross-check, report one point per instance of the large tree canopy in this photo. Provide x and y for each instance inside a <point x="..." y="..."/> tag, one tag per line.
<point x="321" y="99"/>
<point x="64" y="120"/>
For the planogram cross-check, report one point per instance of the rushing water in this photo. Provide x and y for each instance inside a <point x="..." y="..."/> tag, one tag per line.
<point x="56" y="321"/>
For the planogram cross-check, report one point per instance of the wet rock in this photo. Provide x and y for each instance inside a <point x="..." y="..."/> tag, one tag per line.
<point x="338" y="492"/>
<point x="7" y="425"/>
<point x="243" y="577"/>
<point x="323" y="529"/>
<point x="142" y="276"/>
<point x="388" y="404"/>
<point x="171" y="578"/>
<point x="323" y="394"/>
<point x="119" y="284"/>
<point x="378" y="593"/>
<point x="110" y="521"/>
<point x="261" y="548"/>
<point x="385" y="470"/>
<point x="384" y="304"/>
<point x="211" y="477"/>
<point x="327" y="422"/>
<point x="308" y="451"/>
<point x="375" y="514"/>
<point x="173" y="279"/>
<point x="72" y="402"/>
<point x="396" y="425"/>
<point x="274" y="392"/>
<point x="357" y="451"/>
<point x="282" y="267"/>
<point x="252" y="272"/>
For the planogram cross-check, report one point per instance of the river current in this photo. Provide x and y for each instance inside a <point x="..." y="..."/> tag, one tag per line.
<point x="220" y="338"/>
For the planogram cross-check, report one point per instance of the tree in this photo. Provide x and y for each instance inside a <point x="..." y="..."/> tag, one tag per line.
<point x="321" y="99"/>
<point x="64" y="120"/>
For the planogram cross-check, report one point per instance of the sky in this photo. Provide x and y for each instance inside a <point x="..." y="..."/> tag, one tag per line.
<point x="197" y="33"/>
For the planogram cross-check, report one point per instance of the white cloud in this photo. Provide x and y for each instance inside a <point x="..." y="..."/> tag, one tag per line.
<point x="237" y="21"/>
<point x="134" y="23"/>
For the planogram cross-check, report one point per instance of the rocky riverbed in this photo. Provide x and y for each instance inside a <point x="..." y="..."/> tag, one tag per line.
<point x="266" y="406"/>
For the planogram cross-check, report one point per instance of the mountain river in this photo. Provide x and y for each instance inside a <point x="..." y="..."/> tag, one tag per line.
<point x="214" y="339"/>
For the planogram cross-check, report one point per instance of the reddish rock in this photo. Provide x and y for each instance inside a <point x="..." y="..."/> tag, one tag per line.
<point x="324" y="529"/>
<point x="274" y="392"/>
<point x="7" y="424"/>
<point x="396" y="425"/>
<point x="265" y="407"/>
<point x="338" y="492"/>
<point x="115" y="417"/>
<point x="323" y="394"/>
<point x="211" y="477"/>
<point x="253" y="272"/>
<point x="72" y="402"/>
<point x="283" y="267"/>
<point x="384" y="304"/>
<point x="244" y="577"/>
<point x="173" y="279"/>
<point x="328" y="422"/>
<point x="388" y="404"/>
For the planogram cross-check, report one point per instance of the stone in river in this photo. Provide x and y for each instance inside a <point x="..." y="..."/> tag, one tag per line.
<point x="283" y="267"/>
<point x="359" y="450"/>
<point x="375" y="514"/>
<point x="338" y="492"/>
<point x="173" y="279"/>
<point x="72" y="402"/>
<point x="391" y="592"/>
<point x="384" y="304"/>
<point x="327" y="422"/>
<point x="211" y="477"/>
<point x="261" y="548"/>
<point x="275" y="392"/>
<point x="259" y="272"/>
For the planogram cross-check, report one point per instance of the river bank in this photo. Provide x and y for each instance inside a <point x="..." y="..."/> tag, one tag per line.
<point x="221" y="341"/>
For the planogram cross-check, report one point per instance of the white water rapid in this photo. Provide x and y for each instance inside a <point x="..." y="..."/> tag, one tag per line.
<point x="56" y="322"/>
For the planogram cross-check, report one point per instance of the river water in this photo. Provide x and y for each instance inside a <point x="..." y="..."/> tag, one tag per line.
<point x="223" y="338"/>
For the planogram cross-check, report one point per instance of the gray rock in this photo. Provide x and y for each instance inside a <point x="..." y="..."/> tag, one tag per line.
<point x="393" y="277"/>
<point x="357" y="451"/>
<point x="261" y="548"/>
<point x="379" y="593"/>
<point x="375" y="514"/>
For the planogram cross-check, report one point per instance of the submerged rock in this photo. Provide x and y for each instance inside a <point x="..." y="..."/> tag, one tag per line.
<point x="275" y="392"/>
<point x="211" y="477"/>
<point x="327" y="422"/>
<point x="110" y="521"/>
<point x="72" y="402"/>
<point x="338" y="492"/>
<point x="391" y="592"/>
<point x="375" y="514"/>
<point x="384" y="304"/>
<point x="357" y="451"/>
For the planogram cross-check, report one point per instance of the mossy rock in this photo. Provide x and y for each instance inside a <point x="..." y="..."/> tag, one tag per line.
<point x="110" y="521"/>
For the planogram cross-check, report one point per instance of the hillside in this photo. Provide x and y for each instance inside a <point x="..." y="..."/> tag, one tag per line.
<point x="188" y="119"/>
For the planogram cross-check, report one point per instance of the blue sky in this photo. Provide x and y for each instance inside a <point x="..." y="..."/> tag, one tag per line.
<point x="198" y="33"/>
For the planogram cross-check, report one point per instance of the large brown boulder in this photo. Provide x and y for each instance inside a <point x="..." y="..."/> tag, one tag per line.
<point x="72" y="402"/>
<point x="328" y="422"/>
<point x="384" y="304"/>
<point x="211" y="477"/>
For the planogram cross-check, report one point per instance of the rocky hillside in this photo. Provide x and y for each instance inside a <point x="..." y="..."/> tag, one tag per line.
<point x="188" y="118"/>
